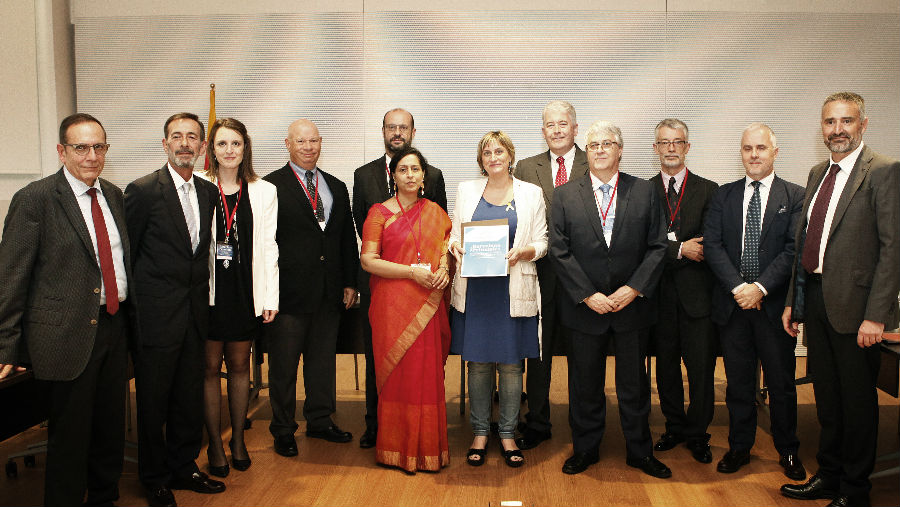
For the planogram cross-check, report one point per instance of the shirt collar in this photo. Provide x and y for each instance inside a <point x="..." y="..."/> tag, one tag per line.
<point x="79" y="187"/>
<point x="596" y="182"/>
<point x="849" y="161"/>
<point x="301" y="171"/>
<point x="177" y="179"/>
<point x="679" y="179"/>
<point x="568" y="155"/>
<point x="766" y="182"/>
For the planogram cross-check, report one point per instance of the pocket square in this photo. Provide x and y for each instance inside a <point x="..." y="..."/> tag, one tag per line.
<point x="782" y="209"/>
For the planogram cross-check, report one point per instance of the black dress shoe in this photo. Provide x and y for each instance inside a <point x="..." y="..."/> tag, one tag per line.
<point x="369" y="438"/>
<point x="846" y="501"/>
<point x="700" y="451"/>
<point x="840" y="501"/>
<point x="815" y="488"/>
<point x="198" y="482"/>
<point x="332" y="434"/>
<point x="160" y="497"/>
<point x="285" y="445"/>
<point x="668" y="441"/>
<point x="579" y="462"/>
<point x="650" y="466"/>
<point x="793" y="467"/>
<point x="532" y="438"/>
<point x="732" y="461"/>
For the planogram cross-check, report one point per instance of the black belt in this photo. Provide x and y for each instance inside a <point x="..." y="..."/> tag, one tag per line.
<point x="814" y="277"/>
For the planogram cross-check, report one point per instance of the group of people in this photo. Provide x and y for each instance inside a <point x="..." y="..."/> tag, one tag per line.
<point x="188" y="268"/>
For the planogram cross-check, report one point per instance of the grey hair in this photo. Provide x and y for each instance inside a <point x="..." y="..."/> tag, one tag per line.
<point x="560" y="106"/>
<point x="760" y="125"/>
<point x="673" y="123"/>
<point x="604" y="127"/>
<point x="849" y="97"/>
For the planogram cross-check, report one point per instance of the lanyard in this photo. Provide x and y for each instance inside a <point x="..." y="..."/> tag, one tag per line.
<point x="678" y="206"/>
<point x="603" y="214"/>
<point x="415" y="238"/>
<point x="313" y="199"/>
<point x="229" y="217"/>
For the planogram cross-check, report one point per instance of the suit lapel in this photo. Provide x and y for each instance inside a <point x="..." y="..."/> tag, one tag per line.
<point x="623" y="193"/>
<point x="69" y="204"/>
<point x="777" y="201"/>
<point x="295" y="189"/>
<point x="580" y="164"/>
<point x="857" y="176"/>
<point x="735" y="212"/>
<point x="544" y="176"/>
<point x="590" y="209"/>
<point x="173" y="204"/>
<point x="380" y="175"/>
<point x="118" y="213"/>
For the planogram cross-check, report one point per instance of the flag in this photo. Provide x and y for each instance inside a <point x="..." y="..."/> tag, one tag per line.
<point x="212" y="119"/>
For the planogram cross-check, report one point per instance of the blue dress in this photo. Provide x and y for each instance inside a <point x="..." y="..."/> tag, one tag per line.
<point x="486" y="333"/>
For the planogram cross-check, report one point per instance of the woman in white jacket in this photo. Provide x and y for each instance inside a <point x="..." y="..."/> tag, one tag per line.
<point x="495" y="320"/>
<point x="243" y="283"/>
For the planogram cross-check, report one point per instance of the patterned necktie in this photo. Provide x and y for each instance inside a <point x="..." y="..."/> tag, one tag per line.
<point x="606" y="208"/>
<point x="311" y="188"/>
<point x="561" y="176"/>
<point x="816" y="226"/>
<point x="673" y="205"/>
<point x="750" y="256"/>
<point x="104" y="252"/>
<point x="189" y="219"/>
<point x="390" y="180"/>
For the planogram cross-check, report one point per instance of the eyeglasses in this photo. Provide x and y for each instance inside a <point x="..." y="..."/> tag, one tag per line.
<point x="606" y="145"/>
<point x="392" y="127"/>
<point x="678" y="143"/>
<point x="83" y="149"/>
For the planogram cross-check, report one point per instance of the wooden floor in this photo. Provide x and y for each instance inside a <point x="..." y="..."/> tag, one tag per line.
<point x="343" y="474"/>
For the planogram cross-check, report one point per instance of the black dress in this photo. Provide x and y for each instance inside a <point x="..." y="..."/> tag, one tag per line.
<point x="233" y="318"/>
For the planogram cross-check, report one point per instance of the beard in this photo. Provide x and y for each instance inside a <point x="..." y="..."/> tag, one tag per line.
<point x="182" y="163"/>
<point x="842" y="145"/>
<point x="394" y="150"/>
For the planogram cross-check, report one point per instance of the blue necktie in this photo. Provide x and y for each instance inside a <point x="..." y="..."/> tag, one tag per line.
<point x="605" y="207"/>
<point x="750" y="256"/>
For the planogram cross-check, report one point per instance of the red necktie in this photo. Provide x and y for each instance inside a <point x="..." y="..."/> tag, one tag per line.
<point x="105" y="253"/>
<point x="561" y="177"/>
<point x="814" y="229"/>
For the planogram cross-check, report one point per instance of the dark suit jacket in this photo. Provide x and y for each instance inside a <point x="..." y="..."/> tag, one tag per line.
<point x="693" y="281"/>
<point x="171" y="281"/>
<point x="50" y="296"/>
<point x="861" y="268"/>
<point x="585" y="265"/>
<point x="314" y="265"/>
<point x="722" y="245"/>
<point x="370" y="187"/>
<point x="539" y="170"/>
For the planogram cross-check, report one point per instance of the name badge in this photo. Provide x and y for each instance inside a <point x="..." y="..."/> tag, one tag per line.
<point x="423" y="265"/>
<point x="671" y="236"/>
<point x="224" y="251"/>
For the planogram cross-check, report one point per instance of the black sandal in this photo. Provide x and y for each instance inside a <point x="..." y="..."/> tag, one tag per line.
<point x="509" y="455"/>
<point x="476" y="452"/>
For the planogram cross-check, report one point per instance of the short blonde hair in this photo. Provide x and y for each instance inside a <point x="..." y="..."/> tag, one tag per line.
<point x="502" y="139"/>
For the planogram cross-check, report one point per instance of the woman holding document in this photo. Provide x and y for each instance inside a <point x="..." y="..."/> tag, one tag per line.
<point x="495" y="318"/>
<point x="404" y="247"/>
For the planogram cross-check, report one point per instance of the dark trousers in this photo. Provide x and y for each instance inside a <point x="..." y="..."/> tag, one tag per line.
<point x="169" y="384"/>
<point x="587" y="398"/>
<point x="86" y="434"/>
<point x="365" y="301"/>
<point x="314" y="336"/>
<point x="677" y="337"/>
<point x="750" y="337"/>
<point x="844" y="379"/>
<point x="537" y="381"/>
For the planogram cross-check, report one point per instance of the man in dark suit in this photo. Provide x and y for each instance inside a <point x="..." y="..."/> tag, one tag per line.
<point x="169" y="214"/>
<point x="608" y="241"/>
<point x="684" y="330"/>
<point x="372" y="184"/>
<point x="844" y="288"/>
<point x="749" y="245"/>
<point x="318" y="263"/>
<point x="66" y="271"/>
<point x="563" y="161"/>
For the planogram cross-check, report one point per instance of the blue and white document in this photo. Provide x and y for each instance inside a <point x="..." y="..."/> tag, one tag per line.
<point x="485" y="243"/>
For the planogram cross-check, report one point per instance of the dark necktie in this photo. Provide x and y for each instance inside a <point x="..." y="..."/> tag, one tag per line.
<point x="561" y="176"/>
<point x="311" y="188"/>
<point x="750" y="256"/>
<point x="814" y="229"/>
<point x="672" y="203"/>
<point x="104" y="251"/>
<point x="390" y="180"/>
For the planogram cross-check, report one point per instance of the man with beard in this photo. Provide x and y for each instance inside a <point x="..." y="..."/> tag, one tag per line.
<point x="169" y="213"/>
<point x="844" y="287"/>
<point x="372" y="184"/>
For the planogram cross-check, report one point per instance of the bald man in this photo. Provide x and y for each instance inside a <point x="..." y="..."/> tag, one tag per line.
<point x="318" y="263"/>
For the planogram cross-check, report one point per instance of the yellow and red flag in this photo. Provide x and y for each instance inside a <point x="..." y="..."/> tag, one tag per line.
<point x="212" y="119"/>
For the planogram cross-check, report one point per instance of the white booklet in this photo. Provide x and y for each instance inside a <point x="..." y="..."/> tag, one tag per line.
<point x="486" y="243"/>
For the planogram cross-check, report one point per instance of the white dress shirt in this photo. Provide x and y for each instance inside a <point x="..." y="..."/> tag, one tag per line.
<point x="568" y="159"/>
<point x="611" y="215"/>
<point x="192" y="194"/>
<point x="840" y="181"/>
<point x="80" y="188"/>
<point x="764" y="188"/>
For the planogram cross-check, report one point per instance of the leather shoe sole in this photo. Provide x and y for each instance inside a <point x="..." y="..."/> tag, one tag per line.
<point x="578" y="463"/>
<point x="650" y="466"/>
<point x="198" y="482"/>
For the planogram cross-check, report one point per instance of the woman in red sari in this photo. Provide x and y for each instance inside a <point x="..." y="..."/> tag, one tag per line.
<point x="404" y="245"/>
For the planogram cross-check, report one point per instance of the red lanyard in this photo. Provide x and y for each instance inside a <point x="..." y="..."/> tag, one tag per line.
<point x="603" y="214"/>
<point x="313" y="199"/>
<point x="415" y="238"/>
<point x="229" y="217"/>
<point x="678" y="206"/>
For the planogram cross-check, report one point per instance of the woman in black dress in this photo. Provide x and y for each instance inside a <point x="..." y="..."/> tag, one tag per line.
<point x="243" y="285"/>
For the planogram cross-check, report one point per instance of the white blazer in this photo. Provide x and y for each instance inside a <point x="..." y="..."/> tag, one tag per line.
<point x="531" y="230"/>
<point x="264" y="257"/>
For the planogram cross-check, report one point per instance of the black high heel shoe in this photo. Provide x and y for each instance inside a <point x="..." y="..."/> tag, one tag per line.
<point x="475" y="457"/>
<point x="508" y="456"/>
<point x="239" y="464"/>
<point x="221" y="471"/>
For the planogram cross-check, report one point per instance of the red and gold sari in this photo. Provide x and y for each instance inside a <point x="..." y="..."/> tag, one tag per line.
<point x="410" y="338"/>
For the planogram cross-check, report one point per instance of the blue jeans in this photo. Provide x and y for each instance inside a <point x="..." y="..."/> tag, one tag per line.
<point x="481" y="383"/>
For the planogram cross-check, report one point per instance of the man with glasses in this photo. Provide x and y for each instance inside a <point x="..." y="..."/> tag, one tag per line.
<point x="563" y="161"/>
<point x="684" y="330"/>
<point x="317" y="262"/>
<point x="372" y="183"/>
<point x="169" y="214"/>
<point x="608" y="241"/>
<point x="64" y="260"/>
<point x="748" y="242"/>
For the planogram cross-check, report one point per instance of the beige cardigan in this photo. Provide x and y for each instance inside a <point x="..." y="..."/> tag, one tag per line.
<point x="524" y="291"/>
